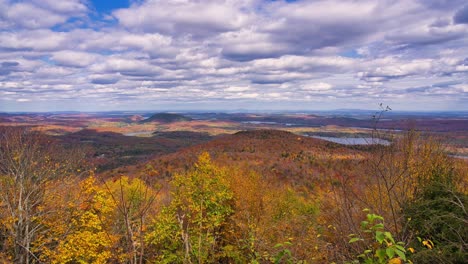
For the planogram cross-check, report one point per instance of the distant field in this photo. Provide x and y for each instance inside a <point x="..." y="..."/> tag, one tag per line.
<point x="451" y="127"/>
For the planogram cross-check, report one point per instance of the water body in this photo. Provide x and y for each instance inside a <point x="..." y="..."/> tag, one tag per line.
<point x="355" y="141"/>
<point x="459" y="157"/>
<point x="260" y="122"/>
<point x="140" y="133"/>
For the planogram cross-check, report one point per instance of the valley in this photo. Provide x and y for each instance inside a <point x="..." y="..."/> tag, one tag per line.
<point x="264" y="187"/>
<point x="136" y="136"/>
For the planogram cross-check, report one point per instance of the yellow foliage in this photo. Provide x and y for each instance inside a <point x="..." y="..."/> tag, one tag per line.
<point x="395" y="261"/>
<point x="428" y="244"/>
<point x="87" y="240"/>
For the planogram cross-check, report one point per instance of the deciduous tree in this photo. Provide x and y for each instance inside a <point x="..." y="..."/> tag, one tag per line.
<point x="29" y="162"/>
<point x="190" y="228"/>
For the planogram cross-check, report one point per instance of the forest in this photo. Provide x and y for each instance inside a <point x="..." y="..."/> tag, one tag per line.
<point x="234" y="131"/>
<point x="257" y="196"/>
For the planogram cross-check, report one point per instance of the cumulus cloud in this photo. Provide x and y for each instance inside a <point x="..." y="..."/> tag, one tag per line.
<point x="35" y="40"/>
<point x="321" y="86"/>
<point x="461" y="16"/>
<point x="74" y="58"/>
<point x="314" y="25"/>
<point x="197" y="18"/>
<point x="7" y="67"/>
<point x="73" y="7"/>
<point x="237" y="89"/>
<point x="237" y="51"/>
<point x="40" y="14"/>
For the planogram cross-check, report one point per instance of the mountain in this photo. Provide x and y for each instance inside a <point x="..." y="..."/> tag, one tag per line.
<point x="166" y="118"/>
<point x="276" y="155"/>
<point x="135" y="118"/>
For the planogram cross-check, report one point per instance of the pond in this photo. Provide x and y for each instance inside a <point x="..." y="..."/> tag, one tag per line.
<point x="355" y="140"/>
<point x="139" y="133"/>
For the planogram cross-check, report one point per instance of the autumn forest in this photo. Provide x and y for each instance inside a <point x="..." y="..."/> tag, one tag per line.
<point x="84" y="189"/>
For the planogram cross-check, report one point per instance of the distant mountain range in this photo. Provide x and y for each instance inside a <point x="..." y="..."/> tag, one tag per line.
<point x="166" y="118"/>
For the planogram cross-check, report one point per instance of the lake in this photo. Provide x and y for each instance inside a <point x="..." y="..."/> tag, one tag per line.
<point x="355" y="140"/>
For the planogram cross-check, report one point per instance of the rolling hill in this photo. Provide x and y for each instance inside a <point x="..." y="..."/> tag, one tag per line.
<point x="276" y="155"/>
<point x="166" y="118"/>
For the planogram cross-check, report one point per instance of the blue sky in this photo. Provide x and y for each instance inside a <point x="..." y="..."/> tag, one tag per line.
<point x="108" y="6"/>
<point x="233" y="54"/>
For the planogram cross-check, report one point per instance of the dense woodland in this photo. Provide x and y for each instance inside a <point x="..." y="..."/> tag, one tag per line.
<point x="252" y="197"/>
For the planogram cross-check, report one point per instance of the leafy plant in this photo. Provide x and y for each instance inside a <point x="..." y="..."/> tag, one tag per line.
<point x="284" y="255"/>
<point x="439" y="214"/>
<point x="190" y="228"/>
<point x="381" y="246"/>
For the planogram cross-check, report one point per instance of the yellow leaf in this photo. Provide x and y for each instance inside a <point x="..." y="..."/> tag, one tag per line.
<point x="395" y="261"/>
<point x="428" y="244"/>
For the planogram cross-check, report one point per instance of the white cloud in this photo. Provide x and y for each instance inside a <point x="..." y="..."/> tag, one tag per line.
<point x="30" y="16"/>
<point x="237" y="89"/>
<point x="63" y="6"/>
<point x="321" y="86"/>
<point x="74" y="58"/>
<point x="184" y="51"/>
<point x="37" y="40"/>
<point x="306" y="63"/>
<point x="183" y="17"/>
<point x="40" y="14"/>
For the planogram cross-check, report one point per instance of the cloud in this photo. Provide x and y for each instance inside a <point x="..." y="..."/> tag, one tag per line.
<point x="104" y="80"/>
<point x="74" y="58"/>
<point x="30" y="16"/>
<point x="125" y="66"/>
<point x="32" y="40"/>
<point x="309" y="26"/>
<point x="428" y="34"/>
<point x="306" y="63"/>
<point x="73" y="7"/>
<point x="244" y="52"/>
<point x="321" y="86"/>
<point x="237" y="89"/>
<point x="40" y="14"/>
<point x="7" y="67"/>
<point x="246" y="45"/>
<point x="395" y="69"/>
<point x="461" y="17"/>
<point x="195" y="18"/>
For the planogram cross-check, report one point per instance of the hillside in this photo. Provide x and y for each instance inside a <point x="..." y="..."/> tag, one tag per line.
<point x="337" y="181"/>
<point x="275" y="154"/>
<point x="166" y="118"/>
<point x="261" y="193"/>
<point x="113" y="150"/>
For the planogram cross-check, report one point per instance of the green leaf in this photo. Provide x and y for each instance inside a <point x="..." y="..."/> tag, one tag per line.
<point x="364" y="224"/>
<point x="401" y="254"/>
<point x="390" y="252"/>
<point x="378" y="226"/>
<point x="389" y="236"/>
<point x="379" y="236"/>
<point x="380" y="254"/>
<point x="398" y="247"/>
<point x="354" y="239"/>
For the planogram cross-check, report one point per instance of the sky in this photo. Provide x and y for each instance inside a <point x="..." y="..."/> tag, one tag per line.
<point x="84" y="55"/>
